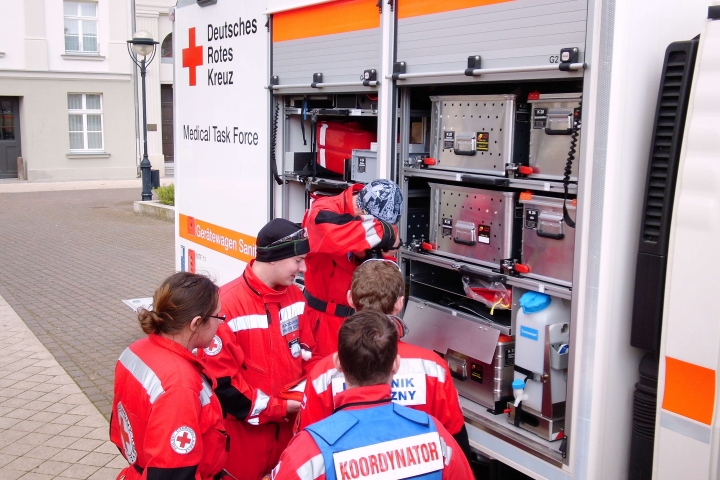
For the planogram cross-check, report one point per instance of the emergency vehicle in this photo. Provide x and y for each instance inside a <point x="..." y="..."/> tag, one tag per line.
<point x="559" y="164"/>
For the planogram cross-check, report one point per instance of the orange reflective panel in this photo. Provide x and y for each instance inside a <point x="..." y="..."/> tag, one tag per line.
<point x="415" y="8"/>
<point x="689" y="390"/>
<point x="326" y="19"/>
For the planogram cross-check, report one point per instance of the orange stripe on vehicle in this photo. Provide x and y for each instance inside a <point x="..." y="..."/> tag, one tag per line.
<point x="689" y="390"/>
<point x="415" y="8"/>
<point x="340" y="16"/>
<point x="233" y="244"/>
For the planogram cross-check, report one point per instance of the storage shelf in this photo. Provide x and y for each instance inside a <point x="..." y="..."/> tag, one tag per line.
<point x="521" y="282"/>
<point x="336" y="112"/>
<point x="316" y="182"/>
<point x="552" y="186"/>
<point x="498" y="426"/>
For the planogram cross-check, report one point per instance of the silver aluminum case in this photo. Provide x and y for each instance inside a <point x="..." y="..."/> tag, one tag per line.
<point x="463" y="114"/>
<point x="549" y="153"/>
<point x="549" y="259"/>
<point x="476" y="207"/>
<point x="496" y="378"/>
<point x="435" y="328"/>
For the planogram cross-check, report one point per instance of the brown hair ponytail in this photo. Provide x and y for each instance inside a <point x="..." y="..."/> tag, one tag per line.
<point x="181" y="297"/>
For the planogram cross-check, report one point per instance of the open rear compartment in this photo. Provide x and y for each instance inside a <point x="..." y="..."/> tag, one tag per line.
<point x="486" y="228"/>
<point x="319" y="134"/>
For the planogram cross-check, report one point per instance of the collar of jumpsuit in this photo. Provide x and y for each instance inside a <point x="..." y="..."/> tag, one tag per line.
<point x="183" y="352"/>
<point x="364" y="397"/>
<point x="259" y="287"/>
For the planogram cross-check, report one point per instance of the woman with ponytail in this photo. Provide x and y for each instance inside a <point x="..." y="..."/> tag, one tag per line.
<point x="166" y="420"/>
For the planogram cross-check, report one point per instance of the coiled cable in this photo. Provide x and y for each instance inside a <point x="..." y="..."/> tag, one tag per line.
<point x="577" y="125"/>
<point x="273" y="144"/>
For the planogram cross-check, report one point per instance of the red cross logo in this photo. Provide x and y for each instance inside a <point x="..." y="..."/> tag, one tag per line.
<point x="192" y="57"/>
<point x="184" y="440"/>
<point x="214" y="347"/>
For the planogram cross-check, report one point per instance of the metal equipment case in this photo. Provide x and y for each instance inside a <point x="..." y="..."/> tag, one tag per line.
<point x="548" y="244"/>
<point x="478" y="133"/>
<point x="472" y="224"/>
<point x="553" y="117"/>
<point x="480" y="359"/>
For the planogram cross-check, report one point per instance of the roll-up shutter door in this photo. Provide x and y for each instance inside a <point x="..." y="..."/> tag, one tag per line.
<point x="436" y="36"/>
<point x="340" y="39"/>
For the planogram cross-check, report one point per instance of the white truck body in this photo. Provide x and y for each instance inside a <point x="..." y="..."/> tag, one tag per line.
<point x="225" y="192"/>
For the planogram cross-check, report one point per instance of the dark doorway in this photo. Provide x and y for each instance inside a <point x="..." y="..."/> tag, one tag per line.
<point x="9" y="136"/>
<point x="166" y="108"/>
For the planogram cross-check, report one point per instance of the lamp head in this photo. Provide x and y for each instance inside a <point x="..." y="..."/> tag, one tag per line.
<point x="143" y="43"/>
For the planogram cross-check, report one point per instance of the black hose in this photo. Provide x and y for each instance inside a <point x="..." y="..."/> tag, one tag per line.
<point x="273" y="145"/>
<point x="303" y="116"/>
<point x="577" y="125"/>
<point x="313" y="143"/>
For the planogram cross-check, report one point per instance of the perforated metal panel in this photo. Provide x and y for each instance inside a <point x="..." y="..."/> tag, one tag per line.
<point x="516" y="33"/>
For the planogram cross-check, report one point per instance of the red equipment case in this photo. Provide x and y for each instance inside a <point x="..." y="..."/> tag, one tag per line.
<point x="337" y="140"/>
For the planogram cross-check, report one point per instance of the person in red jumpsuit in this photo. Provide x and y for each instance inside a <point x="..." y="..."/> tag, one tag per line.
<point x="423" y="381"/>
<point x="265" y="345"/>
<point x="341" y="230"/>
<point x="166" y="421"/>
<point x="368" y="435"/>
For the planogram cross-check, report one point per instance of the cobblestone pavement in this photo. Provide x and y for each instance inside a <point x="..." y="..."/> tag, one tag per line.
<point x="67" y="259"/>
<point x="48" y="428"/>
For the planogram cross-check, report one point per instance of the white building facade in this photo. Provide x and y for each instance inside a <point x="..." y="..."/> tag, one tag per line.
<point x="66" y="90"/>
<point x="154" y="16"/>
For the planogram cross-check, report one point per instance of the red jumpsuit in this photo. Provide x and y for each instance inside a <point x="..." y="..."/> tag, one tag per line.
<point x="252" y="360"/>
<point x="303" y="460"/>
<point x="423" y="383"/>
<point x="335" y="232"/>
<point x="165" y="419"/>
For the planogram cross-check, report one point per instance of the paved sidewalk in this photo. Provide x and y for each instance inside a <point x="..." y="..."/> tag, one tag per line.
<point x="68" y="259"/>
<point x="13" y="185"/>
<point x="48" y="427"/>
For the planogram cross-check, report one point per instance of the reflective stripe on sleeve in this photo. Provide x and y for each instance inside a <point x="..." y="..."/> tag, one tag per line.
<point x="447" y="451"/>
<point x="292" y="311"/>
<point x="143" y="374"/>
<point x="248" y="322"/>
<point x="205" y="393"/>
<point x="420" y="365"/>
<point x="260" y="403"/>
<point x="312" y="469"/>
<point x="370" y="234"/>
<point x="324" y="381"/>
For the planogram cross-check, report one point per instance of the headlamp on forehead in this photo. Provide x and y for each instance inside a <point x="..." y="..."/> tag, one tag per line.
<point x="281" y="239"/>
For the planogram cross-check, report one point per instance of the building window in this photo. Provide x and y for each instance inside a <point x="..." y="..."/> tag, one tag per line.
<point x="85" y="119"/>
<point x="81" y="27"/>
<point x="166" y="50"/>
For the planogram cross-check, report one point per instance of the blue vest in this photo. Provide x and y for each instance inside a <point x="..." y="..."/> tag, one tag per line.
<point x="350" y="429"/>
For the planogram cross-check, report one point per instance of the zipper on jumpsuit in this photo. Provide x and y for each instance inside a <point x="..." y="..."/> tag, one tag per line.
<point x="269" y="319"/>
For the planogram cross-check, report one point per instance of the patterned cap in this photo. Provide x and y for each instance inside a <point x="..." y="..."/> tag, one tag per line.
<point x="382" y="199"/>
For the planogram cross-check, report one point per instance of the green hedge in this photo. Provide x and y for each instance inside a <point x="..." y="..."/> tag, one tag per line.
<point x="166" y="194"/>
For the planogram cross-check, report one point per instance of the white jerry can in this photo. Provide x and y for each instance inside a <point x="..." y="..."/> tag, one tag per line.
<point x="539" y="310"/>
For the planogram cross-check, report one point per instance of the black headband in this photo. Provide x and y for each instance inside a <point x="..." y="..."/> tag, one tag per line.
<point x="283" y="250"/>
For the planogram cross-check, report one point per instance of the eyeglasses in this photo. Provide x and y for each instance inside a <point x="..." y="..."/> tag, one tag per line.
<point x="295" y="236"/>
<point x="219" y="317"/>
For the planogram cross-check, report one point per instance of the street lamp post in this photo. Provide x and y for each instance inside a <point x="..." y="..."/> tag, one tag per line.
<point x="143" y="46"/>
